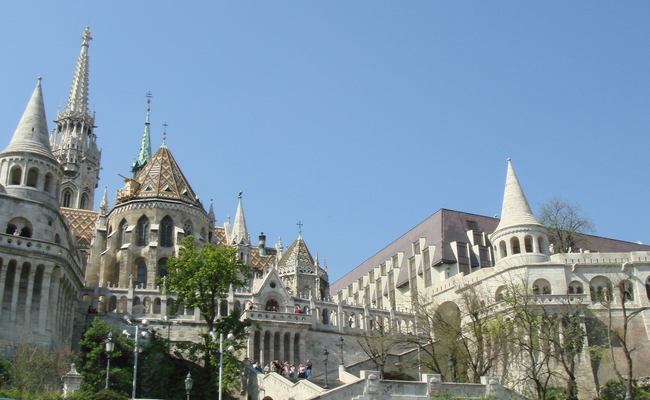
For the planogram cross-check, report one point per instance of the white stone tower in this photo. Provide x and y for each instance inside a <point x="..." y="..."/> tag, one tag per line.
<point x="74" y="142"/>
<point x="238" y="235"/>
<point x="519" y="239"/>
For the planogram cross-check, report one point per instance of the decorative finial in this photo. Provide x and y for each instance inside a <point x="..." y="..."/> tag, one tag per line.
<point x="86" y="37"/>
<point x="508" y="159"/>
<point x="148" y="96"/>
<point x="164" y="132"/>
<point x="240" y="192"/>
<point x="40" y="78"/>
<point x="299" y="227"/>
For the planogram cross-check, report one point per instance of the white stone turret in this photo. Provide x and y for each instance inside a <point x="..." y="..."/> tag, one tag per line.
<point x="73" y="141"/>
<point x="519" y="238"/>
<point x="28" y="167"/>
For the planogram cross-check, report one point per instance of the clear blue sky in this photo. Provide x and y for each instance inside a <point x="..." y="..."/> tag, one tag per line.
<point x="361" y="118"/>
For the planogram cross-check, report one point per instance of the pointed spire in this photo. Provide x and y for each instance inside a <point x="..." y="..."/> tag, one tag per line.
<point x="516" y="210"/>
<point x="103" y="207"/>
<point x="78" y="100"/>
<point x="211" y="212"/>
<point x="239" y="230"/>
<point x="31" y="134"/>
<point x="145" y="148"/>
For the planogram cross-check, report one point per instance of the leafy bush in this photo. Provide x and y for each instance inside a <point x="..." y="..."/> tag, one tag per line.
<point x="614" y="390"/>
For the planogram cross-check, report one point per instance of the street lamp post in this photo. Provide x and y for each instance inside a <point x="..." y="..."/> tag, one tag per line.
<point x="325" y="356"/>
<point x="145" y="334"/>
<point x="188" y="384"/>
<point x="110" y="347"/>
<point x="231" y="349"/>
<point x="341" y="340"/>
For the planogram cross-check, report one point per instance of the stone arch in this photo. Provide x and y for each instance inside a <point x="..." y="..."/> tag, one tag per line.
<point x="19" y="226"/>
<point x="575" y="287"/>
<point x="137" y="305"/>
<point x="269" y="304"/>
<point x="166" y="231"/>
<point x="101" y="304"/>
<point x="157" y="305"/>
<point x="326" y="314"/>
<point x="223" y="308"/>
<point x="16" y="175"/>
<point x="32" y="177"/>
<point x="542" y="286"/>
<point x="112" y="304"/>
<point x="237" y="305"/>
<point x="600" y="289"/>
<point x="48" y="185"/>
<point x="446" y="321"/>
<point x="267" y="347"/>
<point x="528" y="243"/>
<point x="57" y="239"/>
<point x="543" y="247"/>
<point x="503" y="252"/>
<point x="170" y="306"/>
<point x="297" y="350"/>
<point x="287" y="347"/>
<point x="514" y="245"/>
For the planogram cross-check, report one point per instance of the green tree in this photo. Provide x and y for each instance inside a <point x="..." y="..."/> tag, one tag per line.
<point x="567" y="224"/>
<point x="92" y="361"/>
<point x="201" y="277"/>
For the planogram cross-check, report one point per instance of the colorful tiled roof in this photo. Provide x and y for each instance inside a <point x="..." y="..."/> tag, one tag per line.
<point x="82" y="224"/>
<point x="220" y="235"/>
<point x="161" y="177"/>
<point x="262" y="262"/>
<point x="297" y="255"/>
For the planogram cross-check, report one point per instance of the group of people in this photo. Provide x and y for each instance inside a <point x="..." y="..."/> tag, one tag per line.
<point x="285" y="369"/>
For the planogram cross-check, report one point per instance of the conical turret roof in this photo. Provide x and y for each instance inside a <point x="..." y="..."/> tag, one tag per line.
<point x="516" y="210"/>
<point x="161" y="177"/>
<point x="31" y="134"/>
<point x="145" y="148"/>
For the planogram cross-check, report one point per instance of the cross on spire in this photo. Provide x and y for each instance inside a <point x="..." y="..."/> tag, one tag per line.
<point x="148" y="96"/>
<point x="164" y="132"/>
<point x="300" y="224"/>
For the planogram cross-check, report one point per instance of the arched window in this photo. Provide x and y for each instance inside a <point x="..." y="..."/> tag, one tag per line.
<point x="67" y="198"/>
<point x="541" y="286"/>
<point x="502" y="249"/>
<point x="600" y="289"/>
<point x="142" y="272"/>
<point x="528" y="243"/>
<point x="162" y="271"/>
<point x="499" y="293"/>
<point x="84" y="201"/>
<point x="122" y="228"/>
<point x="16" y="175"/>
<point x="32" y="177"/>
<point x="26" y="232"/>
<point x="514" y="243"/>
<point x="49" y="183"/>
<point x="166" y="229"/>
<point x="575" y="287"/>
<point x="57" y="239"/>
<point x="187" y="228"/>
<point x="143" y="231"/>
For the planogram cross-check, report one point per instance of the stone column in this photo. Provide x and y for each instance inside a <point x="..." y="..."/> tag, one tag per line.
<point x="28" y="301"/>
<point x="3" y="279"/>
<point x="43" y="309"/>
<point x="281" y="347"/>
<point x="14" y="299"/>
